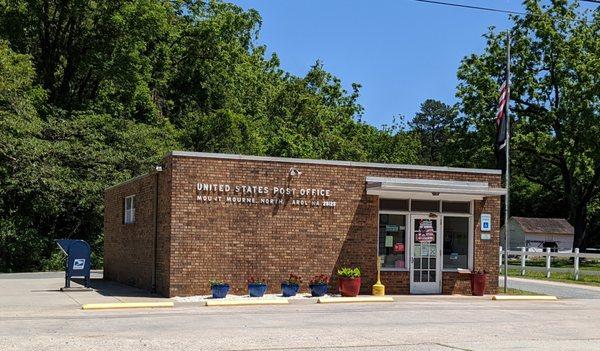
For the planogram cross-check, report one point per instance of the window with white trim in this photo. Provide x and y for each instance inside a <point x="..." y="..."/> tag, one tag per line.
<point x="129" y="214"/>
<point x="456" y="242"/>
<point x="392" y="241"/>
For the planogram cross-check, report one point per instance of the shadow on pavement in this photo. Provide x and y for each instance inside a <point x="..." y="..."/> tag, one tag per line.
<point x="114" y="289"/>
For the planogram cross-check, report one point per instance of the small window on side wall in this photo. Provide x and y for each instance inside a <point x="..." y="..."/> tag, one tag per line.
<point x="129" y="215"/>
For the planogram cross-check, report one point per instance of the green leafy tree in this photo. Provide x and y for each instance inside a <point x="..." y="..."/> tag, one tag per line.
<point x="19" y="126"/>
<point x="555" y="103"/>
<point x="93" y="93"/>
<point x="434" y="126"/>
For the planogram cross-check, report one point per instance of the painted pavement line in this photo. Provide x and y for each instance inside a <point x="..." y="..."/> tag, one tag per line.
<point x="110" y="305"/>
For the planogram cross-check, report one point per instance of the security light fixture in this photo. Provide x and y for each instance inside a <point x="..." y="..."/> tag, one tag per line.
<point x="294" y="172"/>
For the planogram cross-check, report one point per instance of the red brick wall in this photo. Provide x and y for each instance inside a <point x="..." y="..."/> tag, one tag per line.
<point x="231" y="242"/>
<point x="129" y="248"/>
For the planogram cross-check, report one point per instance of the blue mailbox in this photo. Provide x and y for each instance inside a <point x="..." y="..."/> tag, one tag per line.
<point x="78" y="260"/>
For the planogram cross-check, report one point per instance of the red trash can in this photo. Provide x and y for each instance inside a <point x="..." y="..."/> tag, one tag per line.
<point x="478" y="283"/>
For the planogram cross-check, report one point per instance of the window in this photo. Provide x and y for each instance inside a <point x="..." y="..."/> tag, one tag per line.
<point x="392" y="241"/>
<point x="129" y="210"/>
<point x="456" y="242"/>
<point x="456" y="207"/>
<point x="424" y="205"/>
<point x="393" y="205"/>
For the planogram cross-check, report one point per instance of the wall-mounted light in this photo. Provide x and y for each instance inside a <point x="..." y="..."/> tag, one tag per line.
<point x="294" y="172"/>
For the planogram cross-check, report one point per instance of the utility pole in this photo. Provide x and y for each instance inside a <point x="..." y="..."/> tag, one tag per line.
<point x="507" y="174"/>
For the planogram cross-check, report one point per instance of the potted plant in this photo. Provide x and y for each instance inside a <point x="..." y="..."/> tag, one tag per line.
<point x="256" y="286"/>
<point x="218" y="288"/>
<point x="349" y="281"/>
<point x="318" y="285"/>
<point x="479" y="282"/>
<point x="291" y="285"/>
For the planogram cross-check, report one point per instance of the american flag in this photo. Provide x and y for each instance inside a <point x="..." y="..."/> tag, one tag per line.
<point x="501" y="132"/>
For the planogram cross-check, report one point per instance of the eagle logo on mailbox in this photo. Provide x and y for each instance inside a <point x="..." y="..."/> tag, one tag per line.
<point x="78" y="263"/>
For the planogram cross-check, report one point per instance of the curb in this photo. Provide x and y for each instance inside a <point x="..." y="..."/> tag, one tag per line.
<point x="524" y="298"/>
<point x="118" y="305"/>
<point x="355" y="299"/>
<point x="245" y="302"/>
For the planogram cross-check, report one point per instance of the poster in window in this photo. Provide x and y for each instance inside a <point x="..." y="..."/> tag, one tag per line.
<point x="389" y="241"/>
<point x="425" y="234"/>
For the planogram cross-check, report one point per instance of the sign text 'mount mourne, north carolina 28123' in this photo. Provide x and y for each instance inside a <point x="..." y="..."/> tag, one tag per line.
<point x="263" y="195"/>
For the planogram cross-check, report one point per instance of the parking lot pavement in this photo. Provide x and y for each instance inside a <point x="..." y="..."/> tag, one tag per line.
<point x="41" y="291"/>
<point x="561" y="290"/>
<point x="409" y="323"/>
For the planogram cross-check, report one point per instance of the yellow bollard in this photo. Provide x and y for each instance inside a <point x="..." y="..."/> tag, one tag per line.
<point x="378" y="288"/>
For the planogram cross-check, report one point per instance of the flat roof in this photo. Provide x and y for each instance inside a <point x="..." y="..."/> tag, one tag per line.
<point x="334" y="163"/>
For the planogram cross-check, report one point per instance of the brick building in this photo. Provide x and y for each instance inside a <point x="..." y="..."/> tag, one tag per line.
<point x="224" y="216"/>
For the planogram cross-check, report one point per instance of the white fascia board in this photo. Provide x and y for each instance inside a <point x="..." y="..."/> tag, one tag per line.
<point x="407" y="186"/>
<point x="423" y="195"/>
<point x="425" y="182"/>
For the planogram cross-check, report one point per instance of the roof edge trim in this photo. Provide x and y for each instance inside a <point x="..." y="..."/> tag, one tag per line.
<point x="333" y="163"/>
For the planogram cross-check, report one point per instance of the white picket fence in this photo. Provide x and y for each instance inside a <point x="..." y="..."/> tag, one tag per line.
<point x="525" y="255"/>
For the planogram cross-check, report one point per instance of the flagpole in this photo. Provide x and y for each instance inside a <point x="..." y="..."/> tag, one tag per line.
<point x="507" y="181"/>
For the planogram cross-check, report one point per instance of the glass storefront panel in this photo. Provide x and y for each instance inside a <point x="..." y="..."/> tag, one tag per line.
<point x="392" y="241"/>
<point x="456" y="206"/>
<point x="456" y="242"/>
<point x="425" y="206"/>
<point x="393" y="205"/>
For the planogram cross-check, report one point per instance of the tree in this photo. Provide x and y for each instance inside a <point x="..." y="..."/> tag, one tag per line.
<point x="95" y="92"/>
<point x="434" y="125"/>
<point x="555" y="102"/>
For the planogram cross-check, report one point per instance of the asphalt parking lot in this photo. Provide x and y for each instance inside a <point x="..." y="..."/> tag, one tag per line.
<point x="35" y="315"/>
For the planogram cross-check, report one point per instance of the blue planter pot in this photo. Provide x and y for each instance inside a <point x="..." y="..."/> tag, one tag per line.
<point x="288" y="290"/>
<point x="219" y="291"/>
<point x="257" y="290"/>
<point x="318" y="289"/>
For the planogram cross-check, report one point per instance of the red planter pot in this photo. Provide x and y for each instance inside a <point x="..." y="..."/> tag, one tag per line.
<point x="478" y="283"/>
<point x="349" y="287"/>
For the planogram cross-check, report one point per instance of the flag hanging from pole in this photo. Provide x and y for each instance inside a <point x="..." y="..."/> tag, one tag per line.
<point x="501" y="131"/>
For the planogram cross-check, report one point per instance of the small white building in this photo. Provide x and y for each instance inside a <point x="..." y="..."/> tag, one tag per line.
<point x="537" y="233"/>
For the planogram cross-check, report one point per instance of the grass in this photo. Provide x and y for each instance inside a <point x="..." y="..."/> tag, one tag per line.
<point x="593" y="280"/>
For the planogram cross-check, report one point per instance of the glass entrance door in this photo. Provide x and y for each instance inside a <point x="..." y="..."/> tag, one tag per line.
<point x="425" y="271"/>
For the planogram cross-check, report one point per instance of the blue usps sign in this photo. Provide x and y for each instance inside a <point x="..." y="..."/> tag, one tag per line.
<point x="486" y="222"/>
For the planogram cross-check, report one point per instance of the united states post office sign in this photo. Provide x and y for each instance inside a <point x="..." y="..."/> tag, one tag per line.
<point x="252" y="194"/>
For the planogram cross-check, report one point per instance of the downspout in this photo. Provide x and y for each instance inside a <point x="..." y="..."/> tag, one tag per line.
<point x="157" y="169"/>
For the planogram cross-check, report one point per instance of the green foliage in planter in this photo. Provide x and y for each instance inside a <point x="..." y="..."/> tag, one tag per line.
<point x="347" y="272"/>
<point x="293" y="279"/>
<point x="256" y="280"/>
<point x="319" y="279"/>
<point x="214" y="282"/>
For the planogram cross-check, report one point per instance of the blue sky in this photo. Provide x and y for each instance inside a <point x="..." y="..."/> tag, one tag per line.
<point x="401" y="51"/>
